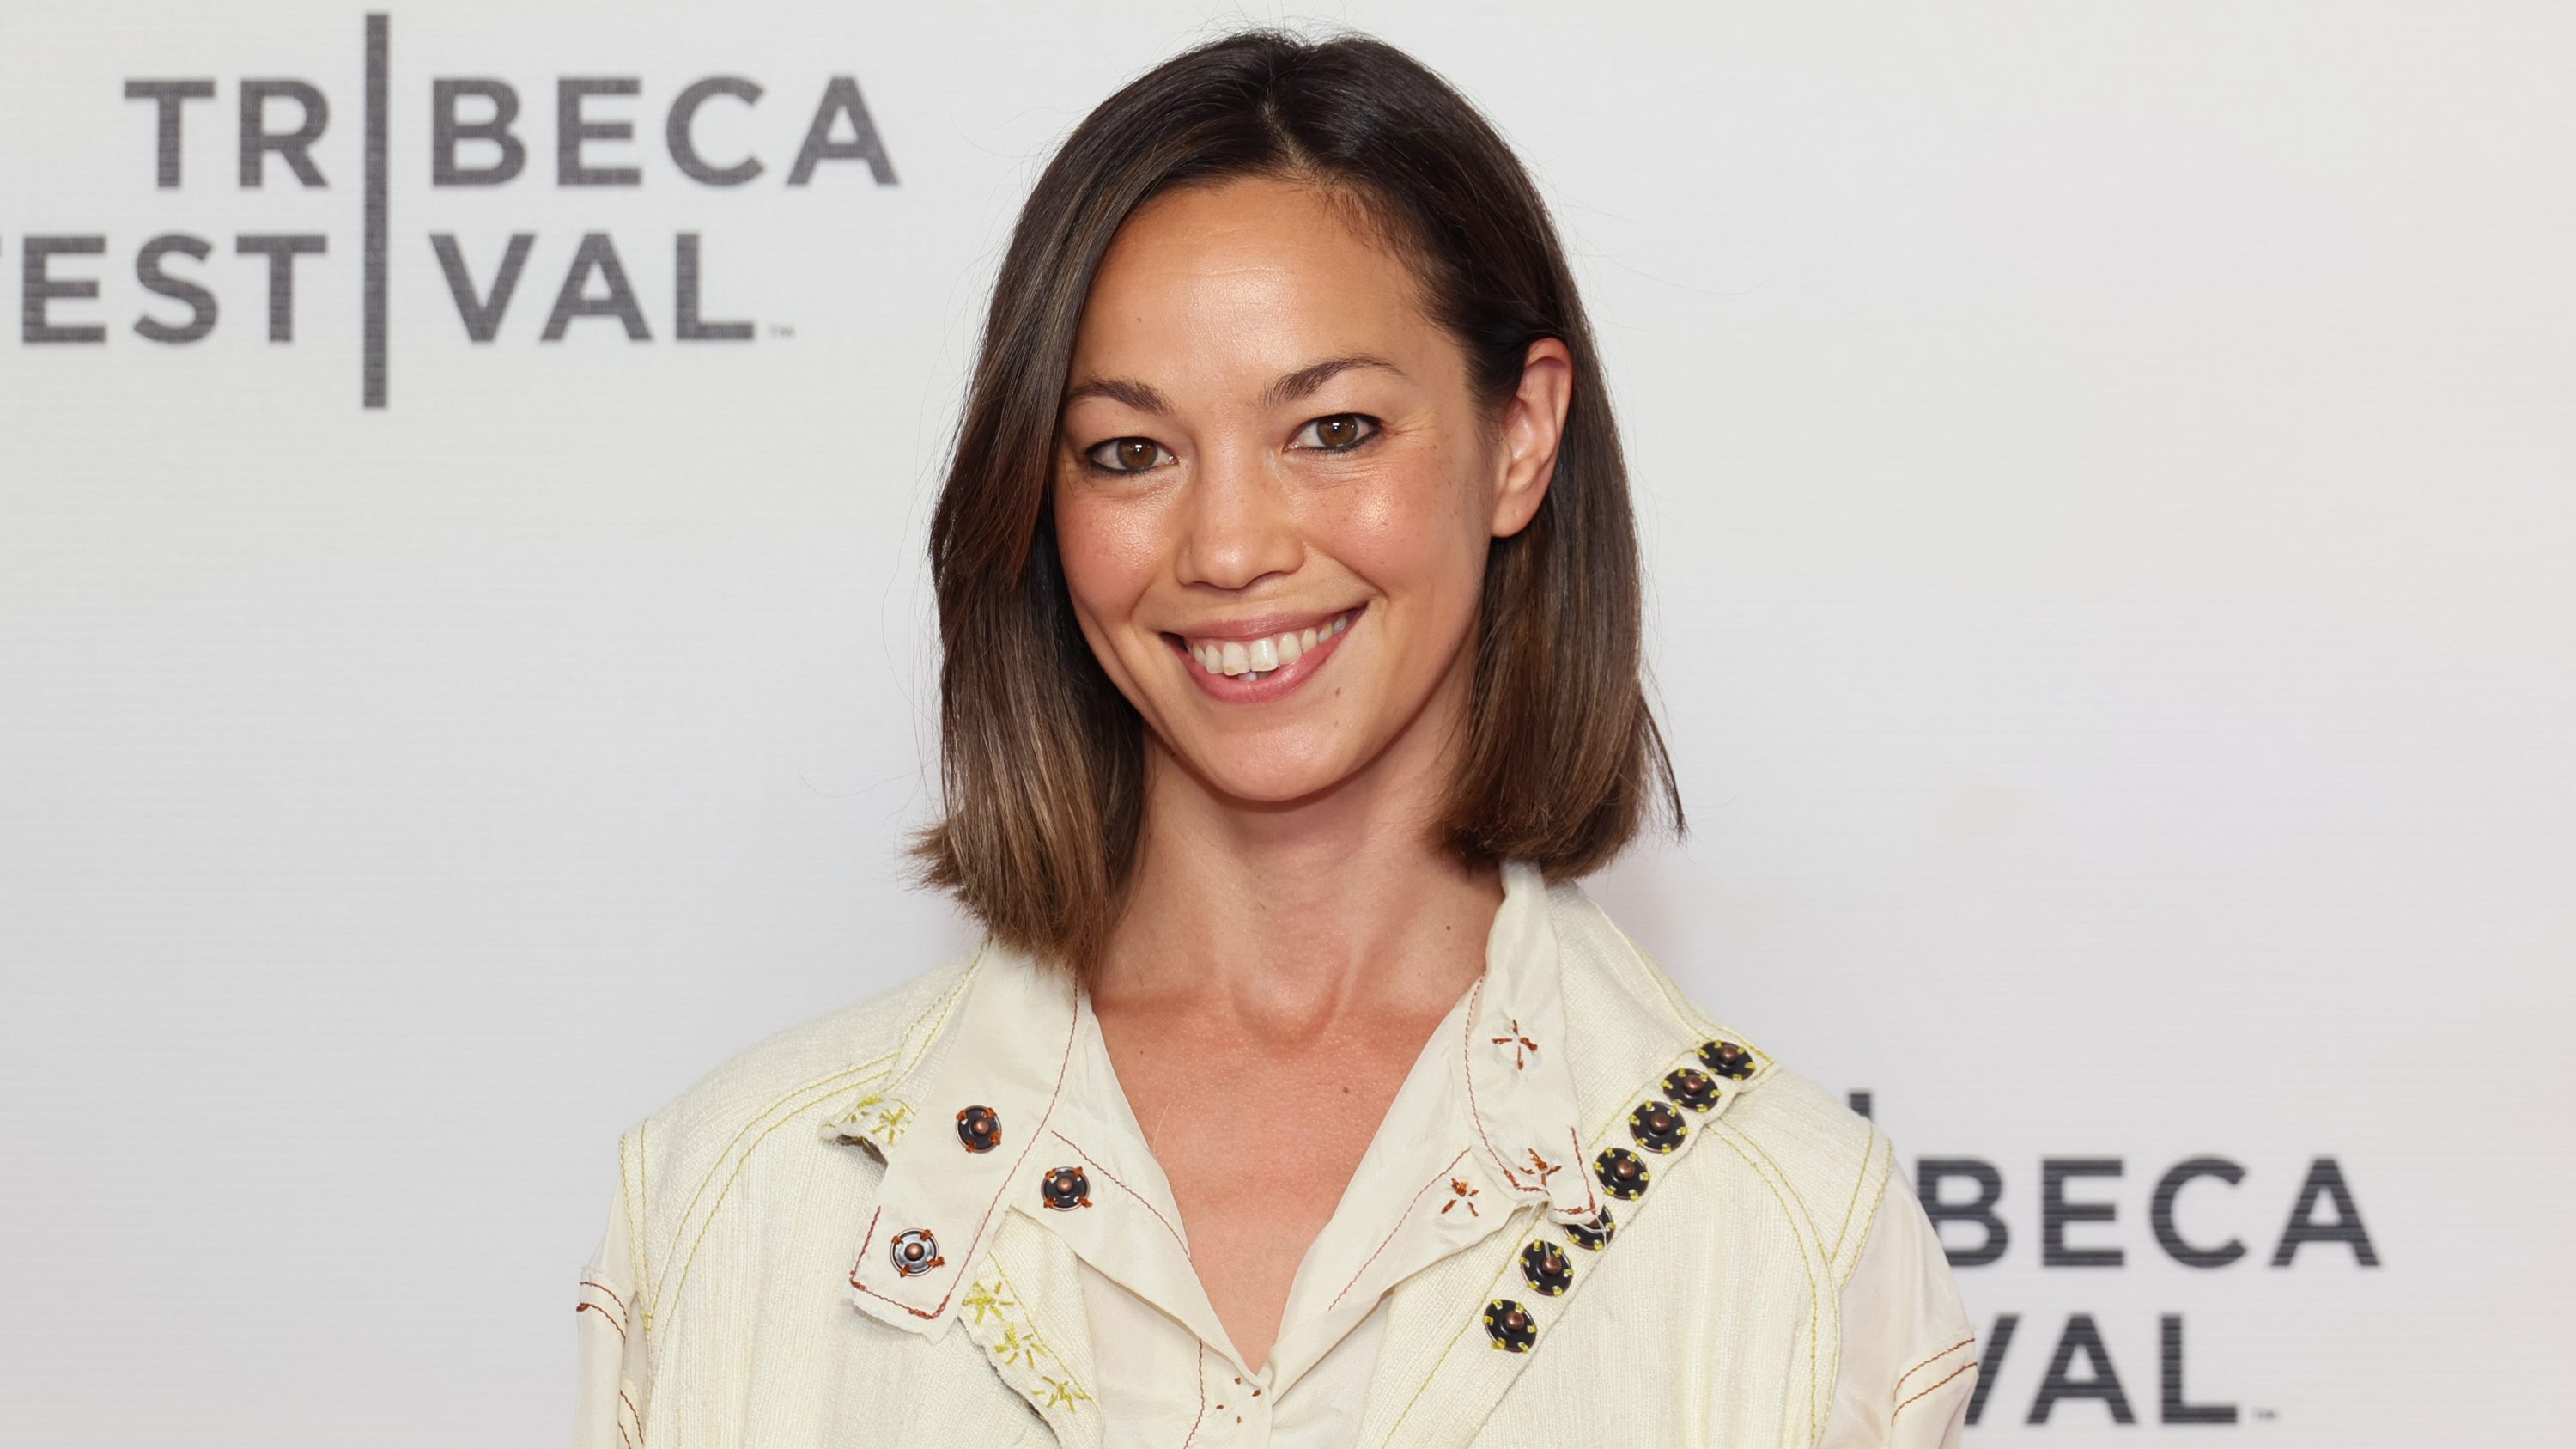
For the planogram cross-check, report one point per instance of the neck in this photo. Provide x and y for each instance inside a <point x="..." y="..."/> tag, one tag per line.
<point x="1296" y="917"/>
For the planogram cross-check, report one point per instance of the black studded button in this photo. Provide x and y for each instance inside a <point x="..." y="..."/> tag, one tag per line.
<point x="1657" y="1126"/>
<point x="1692" y="1089"/>
<point x="1595" y="1237"/>
<point x="1067" y="1187"/>
<point x="1508" y="1324"/>
<point x="980" y="1128"/>
<point x="1544" y="1265"/>
<point x="915" y="1252"/>
<point x="1622" y="1173"/>
<point x="1727" y="1059"/>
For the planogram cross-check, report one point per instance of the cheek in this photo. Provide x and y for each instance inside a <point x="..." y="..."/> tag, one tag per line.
<point x="1415" y="530"/>
<point x="1110" y="551"/>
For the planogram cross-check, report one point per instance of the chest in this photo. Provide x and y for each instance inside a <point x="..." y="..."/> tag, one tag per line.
<point x="1258" y="1139"/>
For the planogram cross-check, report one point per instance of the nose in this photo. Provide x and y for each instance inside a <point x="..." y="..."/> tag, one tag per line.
<point x="1238" y="522"/>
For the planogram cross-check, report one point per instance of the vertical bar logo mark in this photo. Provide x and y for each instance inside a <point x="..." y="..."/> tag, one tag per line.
<point x="373" y="363"/>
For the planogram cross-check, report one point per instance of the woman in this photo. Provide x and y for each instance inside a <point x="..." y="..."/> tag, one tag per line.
<point x="1298" y="1095"/>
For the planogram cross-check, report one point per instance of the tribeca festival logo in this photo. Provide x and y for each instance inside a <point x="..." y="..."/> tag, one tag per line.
<point x="478" y="136"/>
<point x="2320" y="1229"/>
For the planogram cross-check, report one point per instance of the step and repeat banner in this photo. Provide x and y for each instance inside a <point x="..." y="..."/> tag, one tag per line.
<point x="2109" y="478"/>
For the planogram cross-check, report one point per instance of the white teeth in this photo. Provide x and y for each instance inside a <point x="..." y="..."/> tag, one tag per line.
<point x="1256" y="659"/>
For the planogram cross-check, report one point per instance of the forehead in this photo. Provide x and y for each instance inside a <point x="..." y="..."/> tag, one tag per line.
<point x="1249" y="274"/>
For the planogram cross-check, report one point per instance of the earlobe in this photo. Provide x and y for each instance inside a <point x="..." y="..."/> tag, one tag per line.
<point x="1533" y="430"/>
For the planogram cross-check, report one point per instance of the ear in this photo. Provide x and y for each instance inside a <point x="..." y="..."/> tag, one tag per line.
<point x="1533" y="423"/>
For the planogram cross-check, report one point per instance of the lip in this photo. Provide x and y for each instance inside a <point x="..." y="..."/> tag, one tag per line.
<point x="1231" y="689"/>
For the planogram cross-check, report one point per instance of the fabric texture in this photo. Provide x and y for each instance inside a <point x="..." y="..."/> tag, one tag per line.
<point x="933" y="1218"/>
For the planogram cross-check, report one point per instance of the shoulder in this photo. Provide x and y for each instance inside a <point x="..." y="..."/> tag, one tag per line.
<point x="809" y="1071"/>
<point x="1778" y="1134"/>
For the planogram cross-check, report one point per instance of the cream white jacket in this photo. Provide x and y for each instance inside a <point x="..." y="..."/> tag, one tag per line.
<point x="1594" y="1215"/>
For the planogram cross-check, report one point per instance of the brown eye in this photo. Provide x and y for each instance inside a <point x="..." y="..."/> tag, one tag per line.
<point x="1126" y="455"/>
<point x="1339" y="433"/>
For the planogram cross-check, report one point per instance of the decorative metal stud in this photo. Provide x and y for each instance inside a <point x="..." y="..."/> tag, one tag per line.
<point x="1066" y="1187"/>
<point x="915" y="1252"/>
<point x="1595" y="1237"/>
<point x="1544" y="1265"/>
<point x="980" y="1128"/>
<point x="1509" y="1325"/>
<point x="1727" y="1059"/>
<point x="1692" y="1089"/>
<point x="1623" y="1173"/>
<point x="1657" y="1126"/>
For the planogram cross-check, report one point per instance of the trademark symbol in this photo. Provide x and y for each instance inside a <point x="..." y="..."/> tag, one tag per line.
<point x="781" y="329"/>
<point x="2265" y="1416"/>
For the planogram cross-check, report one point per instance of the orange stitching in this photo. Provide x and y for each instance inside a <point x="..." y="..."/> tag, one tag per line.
<point x="1467" y="1066"/>
<point x="1131" y="1192"/>
<point x="639" y="1418"/>
<point x="604" y="1288"/>
<point x="1945" y="1378"/>
<point x="1399" y="1226"/>
<point x="1927" y="1363"/>
<point x="604" y="1313"/>
<point x="1201" y="1358"/>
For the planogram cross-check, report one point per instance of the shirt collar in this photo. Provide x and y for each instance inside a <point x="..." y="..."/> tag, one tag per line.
<point x="1021" y="1056"/>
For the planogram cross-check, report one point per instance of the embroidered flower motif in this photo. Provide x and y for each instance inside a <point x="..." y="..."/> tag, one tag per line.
<point x="985" y="1298"/>
<point x="1062" y="1393"/>
<point x="1015" y="1349"/>
<point x="1542" y="1166"/>
<point x="1462" y="1194"/>
<point x="891" y="1122"/>
<point x="1521" y="1045"/>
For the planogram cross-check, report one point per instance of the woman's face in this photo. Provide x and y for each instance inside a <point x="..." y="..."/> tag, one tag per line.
<point x="1274" y="493"/>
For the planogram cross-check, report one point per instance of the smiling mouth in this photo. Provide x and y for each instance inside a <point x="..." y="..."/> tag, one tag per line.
<point x="1252" y="660"/>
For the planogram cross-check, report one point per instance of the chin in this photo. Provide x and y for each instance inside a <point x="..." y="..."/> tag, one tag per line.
<point x="1254" y="773"/>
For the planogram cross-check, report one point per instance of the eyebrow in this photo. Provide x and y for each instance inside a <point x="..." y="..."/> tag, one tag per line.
<point x="1289" y="388"/>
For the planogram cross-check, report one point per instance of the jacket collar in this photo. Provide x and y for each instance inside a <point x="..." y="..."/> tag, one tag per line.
<point x="1013" y="1055"/>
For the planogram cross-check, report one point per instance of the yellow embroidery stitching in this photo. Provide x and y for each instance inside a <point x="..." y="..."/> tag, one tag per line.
<point x="1060" y="1392"/>
<point x="984" y="1298"/>
<point x="891" y="1122"/>
<point x="1015" y="1349"/>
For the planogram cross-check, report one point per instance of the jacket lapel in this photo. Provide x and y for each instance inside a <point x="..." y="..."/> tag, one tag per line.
<point x="1634" y="1049"/>
<point x="1023" y="1307"/>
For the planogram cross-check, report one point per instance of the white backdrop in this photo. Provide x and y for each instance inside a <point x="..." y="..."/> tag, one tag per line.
<point x="2109" y="475"/>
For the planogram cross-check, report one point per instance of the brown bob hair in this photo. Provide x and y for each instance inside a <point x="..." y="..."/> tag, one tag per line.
<point x="1042" y="764"/>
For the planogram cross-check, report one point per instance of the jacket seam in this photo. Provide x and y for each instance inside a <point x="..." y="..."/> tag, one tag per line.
<point x="1735" y="1140"/>
<point x="1932" y="1359"/>
<point x="1886" y="1181"/>
<point x="1919" y="1393"/>
<point x="1868" y="1159"/>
